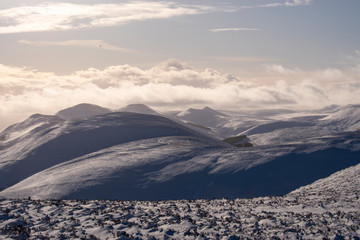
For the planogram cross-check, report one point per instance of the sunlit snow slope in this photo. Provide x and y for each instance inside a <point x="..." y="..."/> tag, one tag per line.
<point x="125" y="155"/>
<point x="42" y="141"/>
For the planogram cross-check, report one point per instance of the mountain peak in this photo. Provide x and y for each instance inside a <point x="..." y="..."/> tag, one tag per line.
<point x="209" y="109"/>
<point x="206" y="116"/>
<point x="138" y="108"/>
<point x="205" y="110"/>
<point x="83" y="110"/>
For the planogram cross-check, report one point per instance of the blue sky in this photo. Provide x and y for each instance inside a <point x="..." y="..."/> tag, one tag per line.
<point x="268" y="53"/>
<point x="307" y="34"/>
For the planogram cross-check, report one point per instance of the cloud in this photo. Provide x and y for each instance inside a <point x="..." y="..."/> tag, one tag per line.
<point x="353" y="58"/>
<point x="288" y="3"/>
<point x="55" y="16"/>
<point x="281" y="70"/>
<point x="239" y="59"/>
<point x="99" y="44"/>
<point x="298" y="2"/>
<point x="171" y="85"/>
<point x="284" y="3"/>
<point x="62" y="16"/>
<point x="234" y="29"/>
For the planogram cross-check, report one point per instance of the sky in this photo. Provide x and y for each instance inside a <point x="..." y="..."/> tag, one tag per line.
<point x="171" y="55"/>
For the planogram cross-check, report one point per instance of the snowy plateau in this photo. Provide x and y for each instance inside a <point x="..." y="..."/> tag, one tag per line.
<point x="94" y="173"/>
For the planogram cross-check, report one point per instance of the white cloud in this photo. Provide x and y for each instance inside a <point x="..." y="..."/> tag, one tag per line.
<point x="353" y="58"/>
<point x="99" y="44"/>
<point x="239" y="59"/>
<point x="173" y="85"/>
<point x="234" y="29"/>
<point x="272" y="5"/>
<point x="61" y="16"/>
<point x="297" y="2"/>
<point x="288" y="3"/>
<point x="54" y="16"/>
<point x="281" y="70"/>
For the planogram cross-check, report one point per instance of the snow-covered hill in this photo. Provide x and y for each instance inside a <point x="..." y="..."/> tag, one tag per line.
<point x="309" y="160"/>
<point x="138" y="108"/>
<point x="41" y="141"/>
<point x="83" y="110"/>
<point x="180" y="167"/>
<point x="326" y="125"/>
<point x="344" y="119"/>
<point x="20" y="139"/>
<point x="126" y="155"/>
<point x="341" y="190"/>
<point x="206" y="117"/>
<point x="327" y="209"/>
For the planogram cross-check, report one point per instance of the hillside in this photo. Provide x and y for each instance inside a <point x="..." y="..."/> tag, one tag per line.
<point x="327" y="209"/>
<point x="126" y="155"/>
<point x="41" y="141"/>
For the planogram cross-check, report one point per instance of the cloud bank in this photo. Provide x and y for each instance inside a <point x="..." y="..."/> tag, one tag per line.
<point x="171" y="85"/>
<point x="56" y="16"/>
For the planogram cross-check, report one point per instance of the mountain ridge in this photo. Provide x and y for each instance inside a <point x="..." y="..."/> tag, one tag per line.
<point x="152" y="157"/>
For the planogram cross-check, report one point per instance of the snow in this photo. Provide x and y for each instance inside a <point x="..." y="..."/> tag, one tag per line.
<point x="176" y="167"/>
<point x="52" y="141"/>
<point x="277" y="124"/>
<point x="346" y="118"/>
<point x="206" y="117"/>
<point x="95" y="168"/>
<point x="138" y="108"/>
<point x="20" y="133"/>
<point x="22" y="138"/>
<point x="83" y="110"/>
<point x="317" y="211"/>
<point x="127" y="155"/>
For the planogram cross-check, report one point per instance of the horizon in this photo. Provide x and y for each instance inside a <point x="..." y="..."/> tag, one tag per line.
<point x="278" y="54"/>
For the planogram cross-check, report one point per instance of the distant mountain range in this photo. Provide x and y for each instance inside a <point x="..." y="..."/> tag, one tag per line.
<point x="90" y="152"/>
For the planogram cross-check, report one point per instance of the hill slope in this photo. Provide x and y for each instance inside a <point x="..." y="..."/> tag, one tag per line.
<point x="126" y="155"/>
<point x="180" y="168"/>
<point x="327" y="209"/>
<point x="44" y="141"/>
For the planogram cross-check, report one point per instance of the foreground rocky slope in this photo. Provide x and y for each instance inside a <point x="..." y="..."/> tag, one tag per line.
<point x="326" y="209"/>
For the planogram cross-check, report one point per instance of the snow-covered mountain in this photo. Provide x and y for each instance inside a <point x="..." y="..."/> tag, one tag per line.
<point x="138" y="108"/>
<point x="83" y="110"/>
<point x="276" y="126"/>
<point x="344" y="119"/>
<point x="127" y="155"/>
<point x="206" y="117"/>
<point x="41" y="141"/>
<point x="337" y="125"/>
